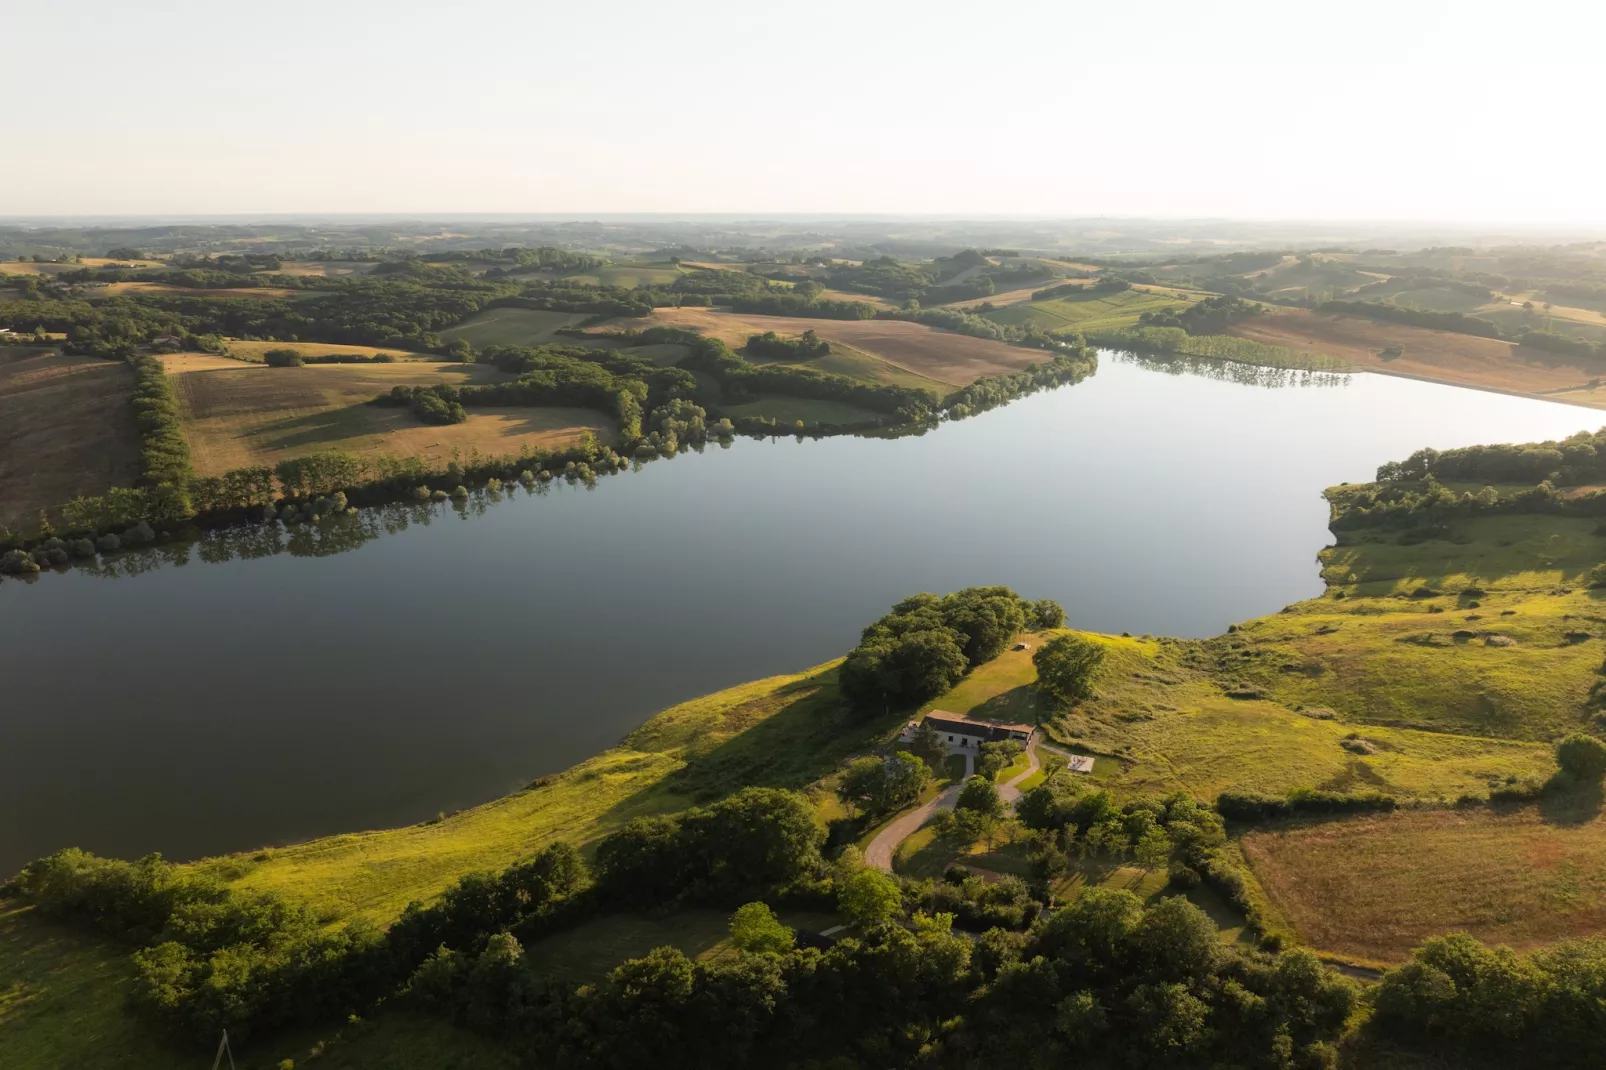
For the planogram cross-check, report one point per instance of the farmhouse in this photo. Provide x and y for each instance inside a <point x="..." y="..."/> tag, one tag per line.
<point x="963" y="732"/>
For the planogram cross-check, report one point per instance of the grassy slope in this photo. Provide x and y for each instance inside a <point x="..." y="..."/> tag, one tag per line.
<point x="1087" y="311"/>
<point x="786" y="731"/>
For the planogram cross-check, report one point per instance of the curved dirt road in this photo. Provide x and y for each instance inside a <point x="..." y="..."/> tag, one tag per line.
<point x="879" y="853"/>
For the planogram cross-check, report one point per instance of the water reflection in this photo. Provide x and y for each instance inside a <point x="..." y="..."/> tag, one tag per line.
<point x="1230" y="371"/>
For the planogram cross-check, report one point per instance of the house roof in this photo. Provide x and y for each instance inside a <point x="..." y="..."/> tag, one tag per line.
<point x="952" y="722"/>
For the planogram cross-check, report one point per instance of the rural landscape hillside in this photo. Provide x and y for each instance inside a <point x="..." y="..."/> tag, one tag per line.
<point x="1314" y="785"/>
<point x="860" y="537"/>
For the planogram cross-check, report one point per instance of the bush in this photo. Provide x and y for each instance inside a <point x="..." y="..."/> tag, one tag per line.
<point x="1582" y="757"/>
<point x="283" y="358"/>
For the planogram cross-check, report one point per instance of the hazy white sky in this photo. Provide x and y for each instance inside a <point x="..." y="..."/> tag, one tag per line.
<point x="1380" y="110"/>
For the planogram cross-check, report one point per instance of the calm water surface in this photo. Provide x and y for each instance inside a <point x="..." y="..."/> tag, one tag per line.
<point x="208" y="707"/>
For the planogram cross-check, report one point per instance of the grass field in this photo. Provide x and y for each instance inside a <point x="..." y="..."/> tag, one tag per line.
<point x="1161" y="724"/>
<point x="512" y="327"/>
<point x="334" y="269"/>
<point x="912" y="348"/>
<point x="66" y="428"/>
<point x="1441" y="356"/>
<point x="786" y="731"/>
<point x="630" y="275"/>
<point x="1089" y="311"/>
<point x="249" y="350"/>
<point x="238" y="414"/>
<point x="589" y="951"/>
<point x="1371" y="888"/>
<point x="787" y="410"/>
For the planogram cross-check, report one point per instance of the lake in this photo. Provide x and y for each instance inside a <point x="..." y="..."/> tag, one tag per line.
<point x="200" y="702"/>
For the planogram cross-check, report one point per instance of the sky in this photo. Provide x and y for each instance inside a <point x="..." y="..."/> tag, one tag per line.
<point x="1405" y="110"/>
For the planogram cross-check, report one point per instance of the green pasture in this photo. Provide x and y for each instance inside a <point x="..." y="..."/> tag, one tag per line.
<point x="512" y="327"/>
<point x="1088" y="311"/>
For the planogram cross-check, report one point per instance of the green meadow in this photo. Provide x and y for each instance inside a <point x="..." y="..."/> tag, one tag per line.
<point x="1090" y="311"/>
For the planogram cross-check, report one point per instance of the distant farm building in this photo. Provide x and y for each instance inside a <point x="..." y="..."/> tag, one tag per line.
<point x="963" y="732"/>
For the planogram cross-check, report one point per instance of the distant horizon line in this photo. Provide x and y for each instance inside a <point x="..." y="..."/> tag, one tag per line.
<point x="103" y="218"/>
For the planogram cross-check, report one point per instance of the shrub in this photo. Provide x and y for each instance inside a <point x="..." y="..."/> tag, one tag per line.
<point x="1582" y="757"/>
<point x="283" y="358"/>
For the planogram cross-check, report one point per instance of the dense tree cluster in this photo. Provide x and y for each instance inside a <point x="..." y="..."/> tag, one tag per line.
<point x="1213" y="315"/>
<point x="1537" y="1009"/>
<point x="756" y="840"/>
<point x="922" y="648"/>
<point x="1106" y="981"/>
<point x="1459" y="322"/>
<point x="439" y="404"/>
<point x="876" y="784"/>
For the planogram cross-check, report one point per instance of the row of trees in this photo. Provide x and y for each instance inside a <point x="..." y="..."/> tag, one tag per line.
<point x="1106" y="981"/>
<point x="1578" y="460"/>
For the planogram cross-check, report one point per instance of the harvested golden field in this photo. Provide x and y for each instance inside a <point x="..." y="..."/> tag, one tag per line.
<point x="15" y="267"/>
<point x="66" y="428"/>
<point x="1372" y="888"/>
<point x="954" y="359"/>
<point x="1442" y="356"/>
<point x="263" y="292"/>
<point x="254" y="350"/>
<point x="237" y="414"/>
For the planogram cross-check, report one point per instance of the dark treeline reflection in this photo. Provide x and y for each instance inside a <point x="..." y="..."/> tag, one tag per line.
<point x="322" y="538"/>
<point x="1228" y="371"/>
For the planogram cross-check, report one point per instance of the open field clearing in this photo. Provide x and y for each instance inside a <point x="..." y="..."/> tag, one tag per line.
<point x="237" y="414"/>
<point x="954" y="359"/>
<point x="113" y="289"/>
<point x="512" y="327"/>
<point x="629" y="275"/>
<point x="253" y="351"/>
<point x="332" y="269"/>
<point x="66" y="428"/>
<point x="1578" y="322"/>
<point x="1089" y="311"/>
<point x="589" y="951"/>
<point x="1373" y="887"/>
<point x="1160" y="725"/>
<point x="1441" y="356"/>
<point x="787" y="410"/>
